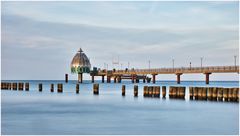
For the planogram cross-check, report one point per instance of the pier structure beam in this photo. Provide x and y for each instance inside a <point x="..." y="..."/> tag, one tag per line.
<point x="154" y="78"/>
<point x="80" y="76"/>
<point x="178" y="78"/>
<point x="207" y="77"/>
<point x="144" y="79"/>
<point x="92" y="78"/>
<point x="102" y="78"/>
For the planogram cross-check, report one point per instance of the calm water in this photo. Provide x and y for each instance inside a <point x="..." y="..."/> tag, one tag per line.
<point x="44" y="112"/>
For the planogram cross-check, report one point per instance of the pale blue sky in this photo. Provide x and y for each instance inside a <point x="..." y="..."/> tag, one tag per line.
<point x="39" y="39"/>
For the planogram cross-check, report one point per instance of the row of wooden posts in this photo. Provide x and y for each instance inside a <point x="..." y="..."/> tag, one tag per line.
<point x="214" y="94"/>
<point x="195" y="93"/>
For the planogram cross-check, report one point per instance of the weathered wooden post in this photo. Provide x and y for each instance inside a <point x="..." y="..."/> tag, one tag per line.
<point x="191" y="93"/>
<point x="60" y="88"/>
<point x="199" y="93"/>
<point x="181" y="92"/>
<point x="164" y="91"/>
<point x="195" y="93"/>
<point x="52" y="88"/>
<point x="209" y="93"/>
<point x="123" y="90"/>
<point x="235" y="94"/>
<point x="77" y="88"/>
<point x="20" y="86"/>
<point x="157" y="91"/>
<point x="135" y="90"/>
<point x="40" y="87"/>
<point x="145" y="91"/>
<point x="220" y="94"/>
<point x="14" y="86"/>
<point x="230" y="94"/>
<point x="204" y="93"/>
<point x="214" y="95"/>
<point x="96" y="89"/>
<point x="66" y="78"/>
<point x="225" y="94"/>
<point x="174" y="92"/>
<point x="26" y="86"/>
<point x="154" y="91"/>
<point x="150" y="91"/>
<point x="170" y="92"/>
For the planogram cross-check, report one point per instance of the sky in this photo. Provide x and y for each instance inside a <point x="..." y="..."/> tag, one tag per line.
<point x="39" y="39"/>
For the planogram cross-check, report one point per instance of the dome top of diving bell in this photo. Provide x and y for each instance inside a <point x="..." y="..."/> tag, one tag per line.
<point x="80" y="60"/>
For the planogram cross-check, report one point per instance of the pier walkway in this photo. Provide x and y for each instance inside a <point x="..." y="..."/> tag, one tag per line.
<point x="137" y="74"/>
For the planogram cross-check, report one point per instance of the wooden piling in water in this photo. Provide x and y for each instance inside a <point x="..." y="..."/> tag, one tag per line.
<point x="204" y="93"/>
<point x="59" y="88"/>
<point x="209" y="93"/>
<point x="220" y="94"/>
<point x="96" y="89"/>
<point x="164" y="91"/>
<point x="20" y="86"/>
<point x="66" y="78"/>
<point x="154" y="91"/>
<point x="191" y="93"/>
<point x="52" y="88"/>
<point x="199" y="93"/>
<point x="170" y="92"/>
<point x="14" y="86"/>
<point x="135" y="90"/>
<point x="235" y="94"/>
<point x="145" y="91"/>
<point x="157" y="91"/>
<point x="230" y="94"/>
<point x="174" y="92"/>
<point x="181" y="92"/>
<point x="225" y="94"/>
<point x="77" y="88"/>
<point x="123" y="90"/>
<point x="150" y="91"/>
<point x="195" y="93"/>
<point x="214" y="95"/>
<point x="40" y="87"/>
<point x="26" y="86"/>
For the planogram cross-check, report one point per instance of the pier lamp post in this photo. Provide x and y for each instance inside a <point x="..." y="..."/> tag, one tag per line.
<point x="173" y="64"/>
<point x="149" y="64"/>
<point x="235" y="61"/>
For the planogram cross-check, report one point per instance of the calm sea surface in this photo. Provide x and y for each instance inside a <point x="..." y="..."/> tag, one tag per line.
<point x="44" y="112"/>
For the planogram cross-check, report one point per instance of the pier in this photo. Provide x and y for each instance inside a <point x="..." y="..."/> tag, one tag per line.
<point x="141" y="74"/>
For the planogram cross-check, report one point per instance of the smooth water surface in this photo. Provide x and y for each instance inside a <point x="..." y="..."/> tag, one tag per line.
<point x="44" y="112"/>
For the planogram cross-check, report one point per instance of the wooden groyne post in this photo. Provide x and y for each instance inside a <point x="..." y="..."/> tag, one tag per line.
<point x="164" y="91"/>
<point x="60" y="88"/>
<point x="96" y="89"/>
<point x="123" y="90"/>
<point x="40" y="87"/>
<point x="135" y="91"/>
<point x="77" y="88"/>
<point x="52" y="88"/>
<point x="26" y="86"/>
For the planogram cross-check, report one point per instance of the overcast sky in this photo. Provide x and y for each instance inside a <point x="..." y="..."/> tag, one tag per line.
<point x="39" y="39"/>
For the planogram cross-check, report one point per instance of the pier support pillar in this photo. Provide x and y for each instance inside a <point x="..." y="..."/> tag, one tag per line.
<point x="66" y="78"/>
<point x="207" y="77"/>
<point x="102" y="79"/>
<point x="154" y="78"/>
<point x="178" y="78"/>
<point x="115" y="79"/>
<point x="144" y="80"/>
<point x="80" y="76"/>
<point x="92" y="78"/>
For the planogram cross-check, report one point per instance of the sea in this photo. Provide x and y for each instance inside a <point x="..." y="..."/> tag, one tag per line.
<point x="109" y="113"/>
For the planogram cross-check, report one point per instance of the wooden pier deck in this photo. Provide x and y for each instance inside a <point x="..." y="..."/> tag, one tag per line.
<point x="133" y="73"/>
